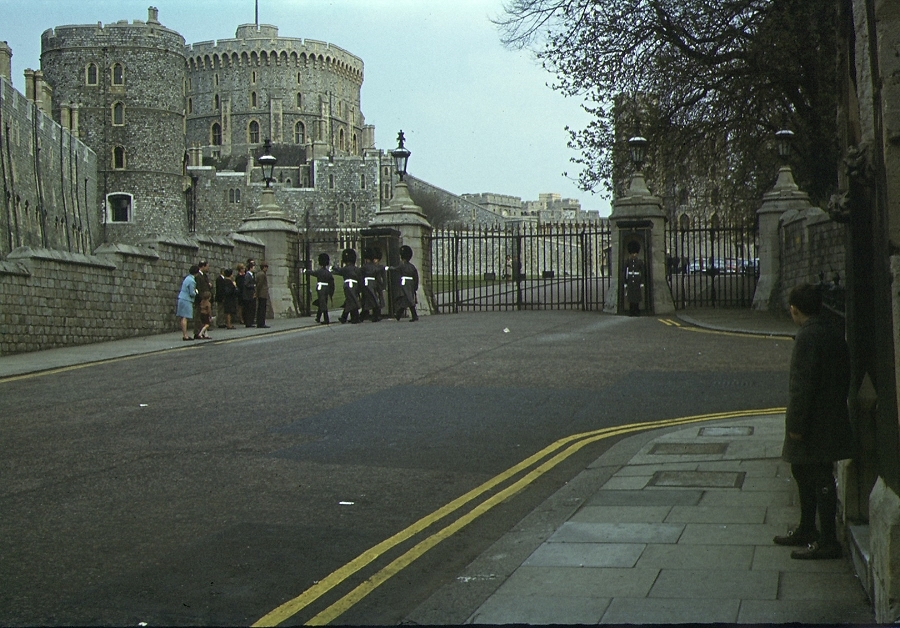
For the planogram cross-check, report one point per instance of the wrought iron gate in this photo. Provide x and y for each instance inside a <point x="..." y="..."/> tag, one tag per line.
<point x="710" y="264"/>
<point x="330" y="241"/>
<point x="526" y="266"/>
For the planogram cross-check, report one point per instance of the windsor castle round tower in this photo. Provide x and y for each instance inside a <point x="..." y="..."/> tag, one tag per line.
<point x="120" y="88"/>
<point x="258" y="85"/>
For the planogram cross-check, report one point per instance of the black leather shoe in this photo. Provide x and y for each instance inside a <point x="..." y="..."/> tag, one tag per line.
<point x="797" y="538"/>
<point x="815" y="551"/>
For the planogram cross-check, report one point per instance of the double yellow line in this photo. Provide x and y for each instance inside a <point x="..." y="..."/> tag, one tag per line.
<point x="551" y="456"/>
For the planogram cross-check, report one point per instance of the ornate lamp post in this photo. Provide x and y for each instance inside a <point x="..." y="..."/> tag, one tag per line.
<point x="267" y="163"/>
<point x="784" y="140"/>
<point x="637" y="147"/>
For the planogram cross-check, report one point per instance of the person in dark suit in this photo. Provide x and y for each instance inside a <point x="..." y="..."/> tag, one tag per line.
<point x="817" y="424"/>
<point x="248" y="294"/>
<point x="324" y="287"/>
<point x="406" y="284"/>
<point x="203" y="285"/>
<point x="262" y="294"/>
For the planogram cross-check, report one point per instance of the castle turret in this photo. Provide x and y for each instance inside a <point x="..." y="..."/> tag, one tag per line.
<point x="258" y="85"/>
<point x="125" y="84"/>
<point x="5" y="61"/>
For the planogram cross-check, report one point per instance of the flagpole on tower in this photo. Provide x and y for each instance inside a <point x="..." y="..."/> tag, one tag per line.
<point x="257" y="14"/>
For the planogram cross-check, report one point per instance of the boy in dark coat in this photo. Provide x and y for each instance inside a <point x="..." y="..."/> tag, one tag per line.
<point x="324" y="287"/>
<point x="352" y="280"/>
<point x="407" y="283"/>
<point x="373" y="286"/>
<point x="817" y="423"/>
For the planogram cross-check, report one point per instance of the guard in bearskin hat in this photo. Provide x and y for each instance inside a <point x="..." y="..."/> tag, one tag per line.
<point x="324" y="287"/>
<point x="352" y="285"/>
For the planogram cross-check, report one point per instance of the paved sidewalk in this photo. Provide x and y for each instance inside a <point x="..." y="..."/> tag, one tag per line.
<point x="674" y="526"/>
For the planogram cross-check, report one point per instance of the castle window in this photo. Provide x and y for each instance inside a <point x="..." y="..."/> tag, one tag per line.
<point x="331" y="182"/>
<point x="352" y="212"/>
<point x="298" y="78"/>
<point x="253" y="132"/>
<point x="253" y="99"/>
<point x="118" y="114"/>
<point x="341" y="139"/>
<point x="216" y="102"/>
<point x="216" y="135"/>
<point x="287" y="183"/>
<point x="355" y="145"/>
<point x="216" y="78"/>
<point x="91" y="74"/>
<point x="299" y="100"/>
<point x="362" y="182"/>
<point x="253" y="77"/>
<point x="118" y="74"/>
<point x="119" y="207"/>
<point x="119" y="158"/>
<point x="190" y="105"/>
<point x="299" y="133"/>
<point x="340" y="212"/>
<point x="234" y="195"/>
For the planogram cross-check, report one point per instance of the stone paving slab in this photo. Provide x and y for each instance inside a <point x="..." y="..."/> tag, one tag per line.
<point x="728" y="534"/>
<point x="816" y="612"/>
<point x="717" y="514"/>
<point x="586" y="555"/>
<point x="581" y="532"/>
<point x="574" y="582"/>
<point x="624" y="514"/>
<point x="670" y="611"/>
<point x="661" y="497"/>
<point x="716" y="583"/>
<point x="687" y="557"/>
<point x="541" y="609"/>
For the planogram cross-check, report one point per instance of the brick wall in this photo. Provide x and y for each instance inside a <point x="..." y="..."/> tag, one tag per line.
<point x="51" y="298"/>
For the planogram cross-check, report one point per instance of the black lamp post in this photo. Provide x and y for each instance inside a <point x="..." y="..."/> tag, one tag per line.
<point x="267" y="163"/>
<point x="637" y="146"/>
<point x="784" y="140"/>
<point x="401" y="156"/>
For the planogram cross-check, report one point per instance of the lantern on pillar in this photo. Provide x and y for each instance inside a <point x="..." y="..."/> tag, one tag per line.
<point x="401" y="156"/>
<point x="267" y="163"/>
<point x="784" y="140"/>
<point x="637" y="146"/>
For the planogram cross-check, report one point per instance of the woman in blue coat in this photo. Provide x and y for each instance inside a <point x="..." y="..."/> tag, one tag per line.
<point x="185" y="307"/>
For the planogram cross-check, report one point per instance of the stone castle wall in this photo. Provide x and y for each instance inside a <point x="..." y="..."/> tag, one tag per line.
<point x="49" y="181"/>
<point x="126" y="83"/>
<point x="54" y="298"/>
<point x="811" y="244"/>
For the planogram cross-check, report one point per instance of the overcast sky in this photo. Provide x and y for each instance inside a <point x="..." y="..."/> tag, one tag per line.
<point x="477" y="117"/>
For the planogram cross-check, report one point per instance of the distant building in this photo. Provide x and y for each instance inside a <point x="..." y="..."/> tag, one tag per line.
<point x="549" y="208"/>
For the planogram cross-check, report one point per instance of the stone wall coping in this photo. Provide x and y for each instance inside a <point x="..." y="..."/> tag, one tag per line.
<point x="243" y="238"/>
<point x="216" y="240"/>
<point x="126" y="249"/>
<point x="8" y="268"/>
<point x="63" y="257"/>
<point x="812" y="215"/>
<point x="172" y="240"/>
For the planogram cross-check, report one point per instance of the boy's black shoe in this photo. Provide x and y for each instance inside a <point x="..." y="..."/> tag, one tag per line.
<point x="818" y="551"/>
<point x="797" y="538"/>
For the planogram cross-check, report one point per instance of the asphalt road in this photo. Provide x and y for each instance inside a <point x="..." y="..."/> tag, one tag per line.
<point x="211" y="484"/>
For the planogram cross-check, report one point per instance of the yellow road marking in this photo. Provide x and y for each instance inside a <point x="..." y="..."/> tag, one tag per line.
<point x="575" y="443"/>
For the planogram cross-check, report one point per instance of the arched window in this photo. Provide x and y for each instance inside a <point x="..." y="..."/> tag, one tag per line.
<point x="118" y="74"/>
<point x="118" y="114"/>
<point x="362" y="181"/>
<point x="340" y="212"/>
<point x="299" y="133"/>
<point x="355" y="145"/>
<point x="352" y="212"/>
<point x="91" y="74"/>
<point x="237" y="195"/>
<point x="253" y="99"/>
<point x="119" y="158"/>
<point x="231" y="195"/>
<point x="253" y="132"/>
<point x="253" y="76"/>
<point x="299" y="100"/>
<point x="331" y="182"/>
<point x="216" y="135"/>
<point x="190" y="107"/>
<point x="287" y="183"/>
<point x="341" y="139"/>
<point x="216" y="102"/>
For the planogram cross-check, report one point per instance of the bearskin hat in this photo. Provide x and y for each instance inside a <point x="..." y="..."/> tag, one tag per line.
<point x="348" y="256"/>
<point x="324" y="260"/>
<point x="406" y="253"/>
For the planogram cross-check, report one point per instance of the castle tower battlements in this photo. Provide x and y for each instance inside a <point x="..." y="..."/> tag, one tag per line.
<point x="259" y="85"/>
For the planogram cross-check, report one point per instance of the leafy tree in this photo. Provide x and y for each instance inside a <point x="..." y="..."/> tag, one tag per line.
<point x="708" y="82"/>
